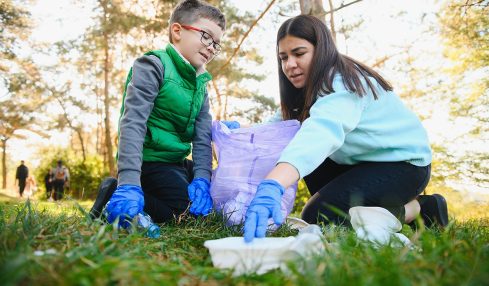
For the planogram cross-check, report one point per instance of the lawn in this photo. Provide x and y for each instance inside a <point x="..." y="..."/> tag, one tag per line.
<point x="44" y="243"/>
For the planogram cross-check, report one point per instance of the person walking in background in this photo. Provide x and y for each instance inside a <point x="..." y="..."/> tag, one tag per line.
<point x="48" y="183"/>
<point x="21" y="175"/>
<point x="61" y="177"/>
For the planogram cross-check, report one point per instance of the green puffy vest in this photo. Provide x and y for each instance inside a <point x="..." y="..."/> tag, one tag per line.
<point x="170" y="127"/>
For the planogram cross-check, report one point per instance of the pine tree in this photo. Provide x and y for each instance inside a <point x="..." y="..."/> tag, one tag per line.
<point x="19" y="78"/>
<point x="465" y="29"/>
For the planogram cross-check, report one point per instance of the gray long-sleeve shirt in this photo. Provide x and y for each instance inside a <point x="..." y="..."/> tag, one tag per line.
<point x="142" y="90"/>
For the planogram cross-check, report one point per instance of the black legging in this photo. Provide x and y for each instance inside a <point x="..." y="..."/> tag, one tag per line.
<point x="336" y="188"/>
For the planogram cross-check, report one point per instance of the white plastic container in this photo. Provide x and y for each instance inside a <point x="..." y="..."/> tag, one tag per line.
<point x="262" y="254"/>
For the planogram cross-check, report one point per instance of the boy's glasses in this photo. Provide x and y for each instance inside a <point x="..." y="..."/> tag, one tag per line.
<point x="206" y="39"/>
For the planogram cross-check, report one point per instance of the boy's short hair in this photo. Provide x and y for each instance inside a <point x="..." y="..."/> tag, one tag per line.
<point x="190" y="11"/>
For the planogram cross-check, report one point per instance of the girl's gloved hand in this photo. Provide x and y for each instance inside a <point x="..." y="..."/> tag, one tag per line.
<point x="231" y="124"/>
<point x="264" y="205"/>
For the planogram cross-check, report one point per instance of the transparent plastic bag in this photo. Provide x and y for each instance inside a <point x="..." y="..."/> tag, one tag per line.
<point x="245" y="156"/>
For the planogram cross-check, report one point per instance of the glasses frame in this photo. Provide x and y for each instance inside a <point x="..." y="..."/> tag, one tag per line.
<point x="217" y="47"/>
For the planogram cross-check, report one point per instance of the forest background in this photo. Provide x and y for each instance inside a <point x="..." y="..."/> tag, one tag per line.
<point x="63" y="65"/>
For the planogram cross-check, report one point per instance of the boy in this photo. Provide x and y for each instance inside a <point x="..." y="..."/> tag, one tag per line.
<point x="165" y="109"/>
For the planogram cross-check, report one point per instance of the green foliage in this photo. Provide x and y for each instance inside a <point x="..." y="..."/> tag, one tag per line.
<point x="301" y="197"/>
<point x="464" y="27"/>
<point x="85" y="176"/>
<point x="228" y="77"/>
<point x="14" y="25"/>
<point x="19" y="77"/>
<point x="51" y="244"/>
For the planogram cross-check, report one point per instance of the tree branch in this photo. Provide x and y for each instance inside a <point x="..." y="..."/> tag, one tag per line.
<point x="236" y="50"/>
<point x="340" y="7"/>
<point x="479" y="3"/>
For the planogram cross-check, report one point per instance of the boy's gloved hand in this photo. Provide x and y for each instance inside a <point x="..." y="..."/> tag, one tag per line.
<point x="231" y="124"/>
<point x="126" y="202"/>
<point x="264" y="205"/>
<point x="199" y="194"/>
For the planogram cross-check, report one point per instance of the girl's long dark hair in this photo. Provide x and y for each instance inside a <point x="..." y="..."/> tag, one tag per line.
<point x="327" y="61"/>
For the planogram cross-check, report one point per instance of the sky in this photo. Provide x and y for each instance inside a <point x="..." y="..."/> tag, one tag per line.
<point x="64" y="20"/>
<point x="382" y="33"/>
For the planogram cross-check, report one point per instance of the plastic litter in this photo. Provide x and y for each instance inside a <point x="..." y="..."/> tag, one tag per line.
<point x="145" y="224"/>
<point x="49" y="251"/>
<point x="296" y="223"/>
<point x="265" y="254"/>
<point x="245" y="156"/>
<point x="142" y="222"/>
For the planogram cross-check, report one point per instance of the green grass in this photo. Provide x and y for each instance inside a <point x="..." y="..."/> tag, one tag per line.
<point x="89" y="253"/>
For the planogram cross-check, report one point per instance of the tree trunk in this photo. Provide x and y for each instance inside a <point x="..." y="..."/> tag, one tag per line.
<point x="78" y="130"/>
<point x="82" y="143"/>
<point x="331" y="20"/>
<point x="226" y="102"/>
<point x="4" y="163"/>
<point x="226" y="107"/>
<point x="108" y="141"/>
<point x="98" y="141"/>
<point x="313" y="8"/>
<point x="218" y="109"/>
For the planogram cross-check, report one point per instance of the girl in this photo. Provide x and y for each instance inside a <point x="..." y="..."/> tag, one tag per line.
<point x="358" y="144"/>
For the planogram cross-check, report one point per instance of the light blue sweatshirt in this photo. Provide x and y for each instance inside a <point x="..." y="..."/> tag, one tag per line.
<point x="350" y="129"/>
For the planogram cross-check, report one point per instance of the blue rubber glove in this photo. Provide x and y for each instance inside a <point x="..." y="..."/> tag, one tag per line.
<point x="264" y="205"/>
<point x="199" y="194"/>
<point x="126" y="202"/>
<point x="231" y="124"/>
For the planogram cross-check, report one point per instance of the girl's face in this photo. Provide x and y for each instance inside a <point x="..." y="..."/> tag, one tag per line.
<point x="296" y="56"/>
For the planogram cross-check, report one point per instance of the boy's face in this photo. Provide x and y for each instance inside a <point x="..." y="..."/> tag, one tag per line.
<point x="189" y="41"/>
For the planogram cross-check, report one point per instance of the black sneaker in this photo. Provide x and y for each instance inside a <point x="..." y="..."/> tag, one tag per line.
<point x="434" y="210"/>
<point x="105" y="191"/>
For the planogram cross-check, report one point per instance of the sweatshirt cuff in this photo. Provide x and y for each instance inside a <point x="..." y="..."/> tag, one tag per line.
<point x="203" y="174"/>
<point x="129" y="177"/>
<point x="301" y="170"/>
